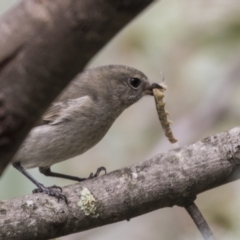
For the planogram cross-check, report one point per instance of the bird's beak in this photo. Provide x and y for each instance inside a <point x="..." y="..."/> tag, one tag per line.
<point x="149" y="89"/>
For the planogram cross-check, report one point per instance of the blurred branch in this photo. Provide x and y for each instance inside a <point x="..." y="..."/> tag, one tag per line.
<point x="44" y="44"/>
<point x="200" y="222"/>
<point x="168" y="179"/>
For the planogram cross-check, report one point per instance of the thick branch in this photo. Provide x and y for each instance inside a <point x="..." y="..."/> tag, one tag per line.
<point x="174" y="178"/>
<point x="44" y="44"/>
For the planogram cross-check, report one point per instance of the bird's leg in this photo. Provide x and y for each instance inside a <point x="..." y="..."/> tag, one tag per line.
<point x="47" y="172"/>
<point x="40" y="187"/>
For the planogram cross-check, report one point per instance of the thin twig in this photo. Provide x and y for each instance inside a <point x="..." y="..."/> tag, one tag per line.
<point x="200" y="222"/>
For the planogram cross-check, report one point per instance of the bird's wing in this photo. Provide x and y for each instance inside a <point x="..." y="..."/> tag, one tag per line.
<point x="64" y="111"/>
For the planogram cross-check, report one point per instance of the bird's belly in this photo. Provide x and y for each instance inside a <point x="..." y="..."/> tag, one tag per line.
<point x="46" y="145"/>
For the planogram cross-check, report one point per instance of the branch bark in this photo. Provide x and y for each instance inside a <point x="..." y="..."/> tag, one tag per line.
<point x="173" y="178"/>
<point x="44" y="44"/>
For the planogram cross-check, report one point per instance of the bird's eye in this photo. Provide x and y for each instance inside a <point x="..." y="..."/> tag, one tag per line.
<point x="135" y="82"/>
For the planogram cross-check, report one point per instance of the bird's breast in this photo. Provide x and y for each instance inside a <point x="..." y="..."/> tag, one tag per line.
<point x="49" y="144"/>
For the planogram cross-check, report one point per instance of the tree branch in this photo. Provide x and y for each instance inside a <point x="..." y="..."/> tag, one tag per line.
<point x="200" y="222"/>
<point x="173" y="178"/>
<point x="44" y="44"/>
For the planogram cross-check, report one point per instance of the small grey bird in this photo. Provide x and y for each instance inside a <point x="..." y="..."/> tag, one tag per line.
<point x="79" y="119"/>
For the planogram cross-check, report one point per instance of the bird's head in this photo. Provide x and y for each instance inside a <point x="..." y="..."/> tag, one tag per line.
<point x="119" y="84"/>
<point x="111" y="86"/>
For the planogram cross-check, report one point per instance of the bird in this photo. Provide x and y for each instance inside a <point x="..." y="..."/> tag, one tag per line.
<point x="78" y="119"/>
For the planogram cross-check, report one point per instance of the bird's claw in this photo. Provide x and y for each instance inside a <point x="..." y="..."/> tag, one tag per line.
<point x="51" y="191"/>
<point x="99" y="170"/>
<point x="56" y="187"/>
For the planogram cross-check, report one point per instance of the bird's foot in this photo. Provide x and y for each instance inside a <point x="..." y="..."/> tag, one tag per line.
<point x="53" y="191"/>
<point x="99" y="170"/>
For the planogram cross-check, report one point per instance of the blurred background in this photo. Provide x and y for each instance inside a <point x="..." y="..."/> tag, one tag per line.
<point x="195" y="45"/>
